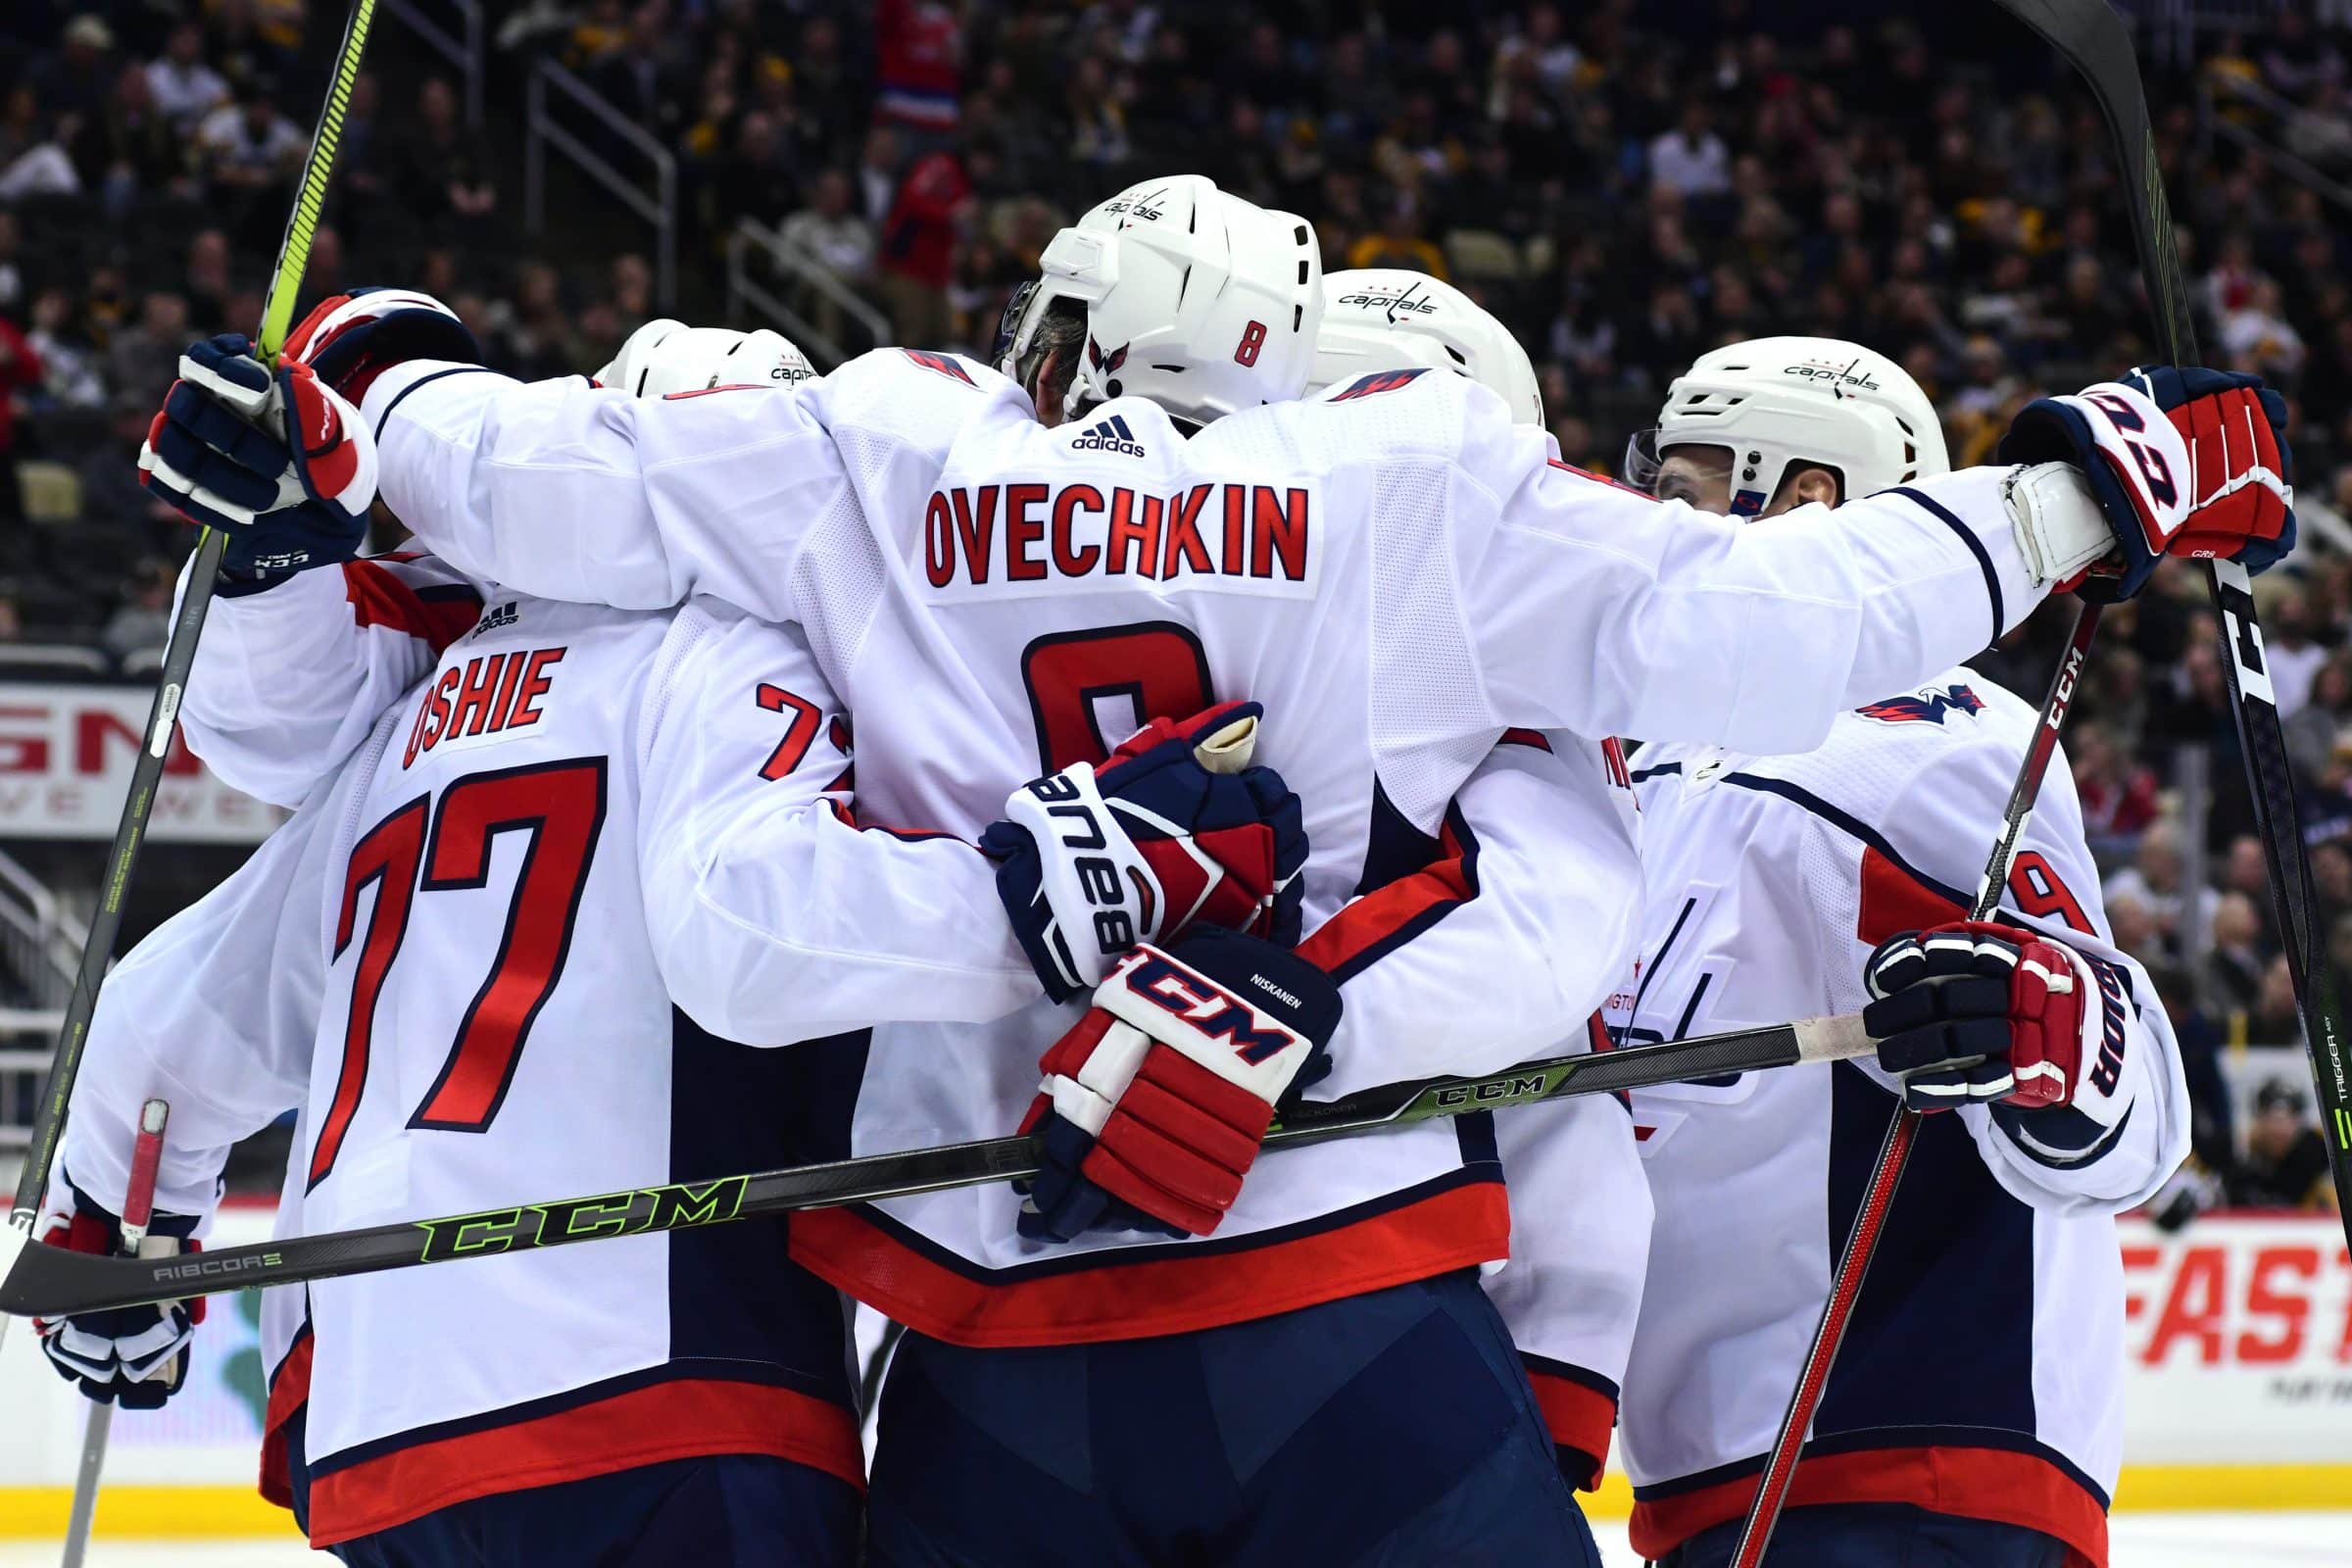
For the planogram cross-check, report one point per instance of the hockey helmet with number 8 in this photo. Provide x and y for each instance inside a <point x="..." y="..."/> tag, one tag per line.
<point x="1776" y="402"/>
<point x="1196" y="299"/>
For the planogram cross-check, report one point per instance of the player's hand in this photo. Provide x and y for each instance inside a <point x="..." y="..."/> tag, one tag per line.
<point x="351" y="339"/>
<point x="1976" y="1012"/>
<point x="2183" y="462"/>
<point x="136" y="1355"/>
<point x="278" y="460"/>
<point x="1153" y="1107"/>
<point x="1174" y="828"/>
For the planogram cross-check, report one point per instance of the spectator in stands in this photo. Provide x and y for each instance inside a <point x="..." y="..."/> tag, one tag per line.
<point x="2273" y="1020"/>
<point x="79" y="77"/>
<point x="920" y="66"/>
<point x="1692" y="160"/>
<point x="73" y="376"/>
<point x="12" y="271"/>
<point x="186" y="89"/>
<point x="1398" y="241"/>
<point x="145" y="621"/>
<point x="33" y="161"/>
<point x="830" y="229"/>
<point x="20" y="371"/>
<point x="918" y="247"/>
<point x="2118" y="792"/>
<point x="205" y="279"/>
<point x="132" y="149"/>
<point x="111" y="493"/>
<point x="143" y="359"/>
<point x="2285" y="1162"/>
<point x="248" y="154"/>
<point x="442" y="178"/>
<point x="2154" y="880"/>
<point x="2234" y="969"/>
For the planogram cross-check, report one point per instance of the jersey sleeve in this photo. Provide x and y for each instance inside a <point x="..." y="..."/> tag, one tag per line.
<point x="1501" y="946"/>
<point x="1580" y="1214"/>
<point x="775" y="915"/>
<point x="1600" y="610"/>
<point x="289" y="679"/>
<point x="216" y="1012"/>
<point x="571" y="491"/>
<point x="1937" y="830"/>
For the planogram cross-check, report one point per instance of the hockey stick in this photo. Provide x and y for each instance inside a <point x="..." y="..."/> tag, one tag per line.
<point x="138" y="1207"/>
<point x="180" y="652"/>
<point x="51" y="1281"/>
<point x="2092" y="39"/>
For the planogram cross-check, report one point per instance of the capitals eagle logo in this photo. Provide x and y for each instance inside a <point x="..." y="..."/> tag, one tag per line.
<point x="1927" y="705"/>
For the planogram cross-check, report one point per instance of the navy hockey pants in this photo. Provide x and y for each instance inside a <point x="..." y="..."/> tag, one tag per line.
<point x="1392" y="1429"/>
<point x="1878" y="1535"/>
<point x="728" y="1511"/>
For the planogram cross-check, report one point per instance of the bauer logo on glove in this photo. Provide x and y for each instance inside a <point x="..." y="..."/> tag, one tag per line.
<point x="1174" y="828"/>
<point x="1980" y="1012"/>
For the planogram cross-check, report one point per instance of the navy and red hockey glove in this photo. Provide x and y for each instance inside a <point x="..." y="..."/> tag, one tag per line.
<point x="351" y="339"/>
<point x="133" y="1355"/>
<point x="1980" y="1013"/>
<point x="1153" y="1107"/>
<point x="2190" y="462"/>
<point x="1174" y="828"/>
<point x="277" y="460"/>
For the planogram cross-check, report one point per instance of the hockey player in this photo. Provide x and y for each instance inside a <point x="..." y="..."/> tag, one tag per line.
<point x="1574" y="1177"/>
<point x="1973" y="1414"/>
<point x="977" y="583"/>
<point x="676" y="1397"/>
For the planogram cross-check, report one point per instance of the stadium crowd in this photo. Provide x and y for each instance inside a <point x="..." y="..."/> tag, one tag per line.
<point x="1625" y="185"/>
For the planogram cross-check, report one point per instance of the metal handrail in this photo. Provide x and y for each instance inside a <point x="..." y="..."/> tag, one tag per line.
<point x="659" y="209"/>
<point x="465" y="53"/>
<point x="2281" y="111"/>
<point x="804" y="269"/>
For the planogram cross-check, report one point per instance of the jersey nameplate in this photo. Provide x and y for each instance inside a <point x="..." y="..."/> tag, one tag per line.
<point x="485" y="700"/>
<point x="1007" y="540"/>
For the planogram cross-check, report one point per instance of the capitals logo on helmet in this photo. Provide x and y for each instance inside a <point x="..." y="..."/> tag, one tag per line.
<point x="1927" y="705"/>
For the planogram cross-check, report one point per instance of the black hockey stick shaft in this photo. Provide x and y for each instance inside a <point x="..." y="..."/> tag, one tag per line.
<point x="2093" y="40"/>
<point x="179" y="651"/>
<point x="51" y="1281"/>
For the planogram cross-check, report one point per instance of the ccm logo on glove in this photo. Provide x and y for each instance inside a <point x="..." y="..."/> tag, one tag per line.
<point x="1254" y="1036"/>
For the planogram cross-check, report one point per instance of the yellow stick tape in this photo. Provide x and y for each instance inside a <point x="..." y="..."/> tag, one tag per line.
<point x="157" y="1513"/>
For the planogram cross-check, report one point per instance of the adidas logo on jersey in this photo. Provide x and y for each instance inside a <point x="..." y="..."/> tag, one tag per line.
<point x="1111" y="435"/>
<point x="500" y="615"/>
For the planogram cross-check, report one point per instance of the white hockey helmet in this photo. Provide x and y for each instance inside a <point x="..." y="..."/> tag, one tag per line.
<point x="1203" y="302"/>
<point x="1381" y="318"/>
<point x="1778" y="401"/>
<point x="663" y="356"/>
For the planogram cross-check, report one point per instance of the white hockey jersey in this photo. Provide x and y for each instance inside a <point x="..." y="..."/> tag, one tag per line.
<point x="443" y="959"/>
<point x="1981" y="1374"/>
<point x="1393" y="570"/>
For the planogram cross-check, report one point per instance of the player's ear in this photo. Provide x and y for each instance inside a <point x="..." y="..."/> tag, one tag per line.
<point x="1806" y="486"/>
<point x="1047" y="387"/>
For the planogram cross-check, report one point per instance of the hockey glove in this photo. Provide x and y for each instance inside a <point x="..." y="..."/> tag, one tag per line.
<point x="278" y="460"/>
<point x="2183" y="462"/>
<point x="1153" y="1107"/>
<point x="1978" y="1013"/>
<point x="136" y="1355"/>
<point x="351" y="339"/>
<point x="1173" y="828"/>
